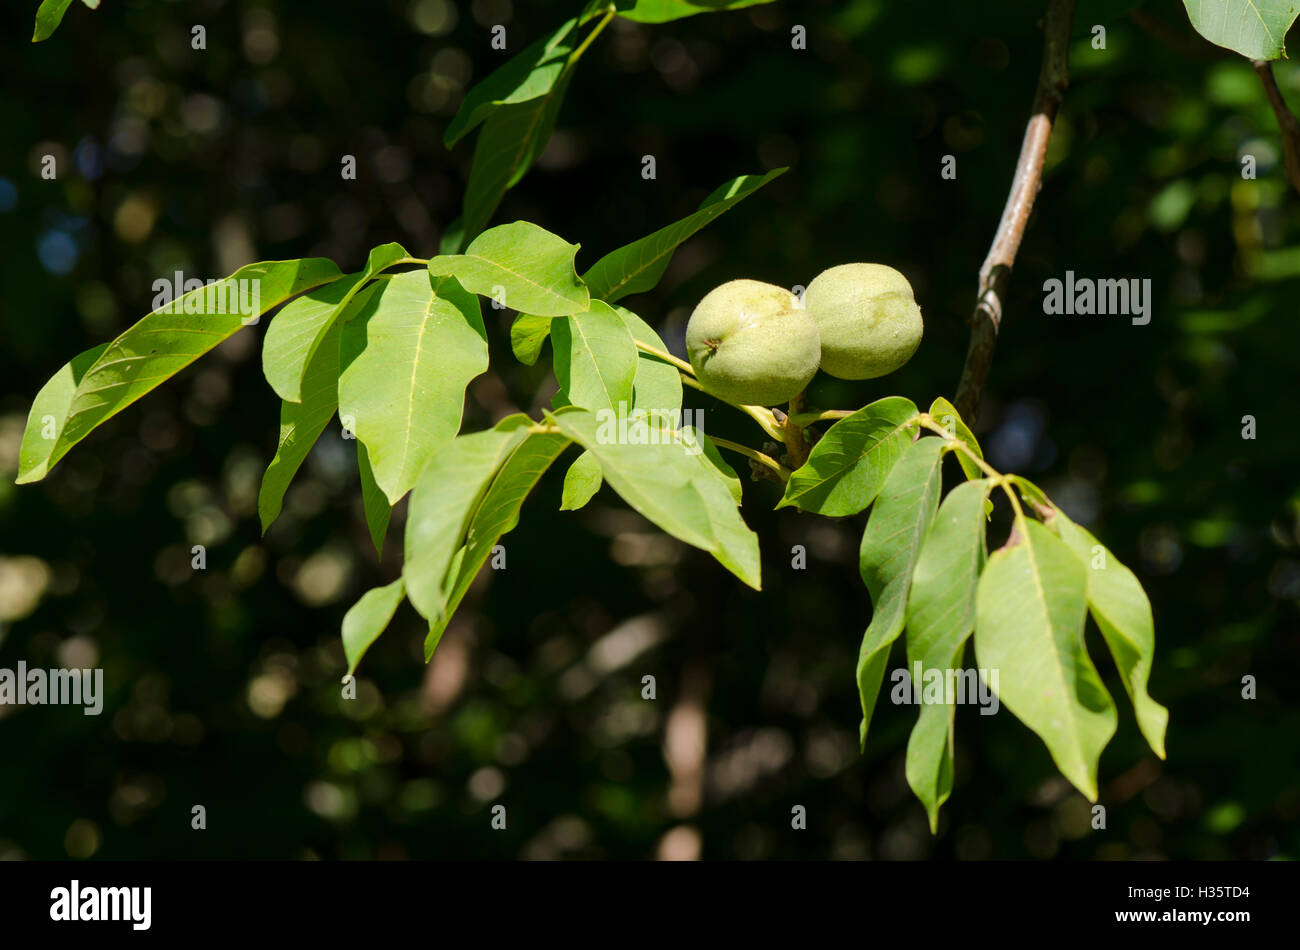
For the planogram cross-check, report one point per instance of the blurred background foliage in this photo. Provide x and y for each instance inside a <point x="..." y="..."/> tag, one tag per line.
<point x="223" y="684"/>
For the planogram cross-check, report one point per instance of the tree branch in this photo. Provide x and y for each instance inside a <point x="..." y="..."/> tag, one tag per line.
<point x="1053" y="77"/>
<point x="1286" y="120"/>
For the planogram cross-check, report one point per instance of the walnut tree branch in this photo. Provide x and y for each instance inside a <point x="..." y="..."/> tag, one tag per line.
<point x="1053" y="77"/>
<point x="1286" y="120"/>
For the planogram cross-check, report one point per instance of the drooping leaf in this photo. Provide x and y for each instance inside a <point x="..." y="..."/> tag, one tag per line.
<point x="158" y="347"/>
<point x="1122" y="612"/>
<point x="442" y="505"/>
<point x="595" y="359"/>
<point x="581" y="482"/>
<point x="1254" y="28"/>
<point x="637" y="267"/>
<point x="1029" y="612"/>
<point x="301" y="424"/>
<point x="406" y="358"/>
<point x="890" y="546"/>
<point x="368" y="618"/>
<point x="496" y="515"/>
<point x="945" y="413"/>
<point x="298" y="329"/>
<point x="527" y="334"/>
<point x="528" y="75"/>
<point x="661" y="11"/>
<point x="510" y="141"/>
<point x="852" y="460"/>
<point x="716" y="481"/>
<point x="373" y="501"/>
<point x="522" y="266"/>
<point x="662" y="477"/>
<point x="940" y="618"/>
<point x="658" y="385"/>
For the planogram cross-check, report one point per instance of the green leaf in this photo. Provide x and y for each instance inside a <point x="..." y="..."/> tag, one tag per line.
<point x="940" y="618"/>
<point x="496" y="515"/>
<point x="442" y="504"/>
<point x="661" y="11"/>
<point x="49" y="411"/>
<point x="1254" y="28"/>
<point x="595" y="359"/>
<point x="851" y="462"/>
<point x="511" y="140"/>
<point x="48" y="17"/>
<point x="664" y="478"/>
<point x="945" y="413"/>
<point x="522" y="266"/>
<point x="298" y="329"/>
<point x="296" y="333"/>
<point x="368" y="618"/>
<point x="890" y="546"/>
<point x="527" y="334"/>
<point x="637" y="267"/>
<point x="581" y="482"/>
<point x="301" y="424"/>
<point x="716" y="481"/>
<point x="373" y="501"/>
<point x="1120" y="608"/>
<point x="528" y="75"/>
<point x="1029" y="613"/>
<point x="156" y="348"/>
<point x="658" y="385"/>
<point x="407" y="356"/>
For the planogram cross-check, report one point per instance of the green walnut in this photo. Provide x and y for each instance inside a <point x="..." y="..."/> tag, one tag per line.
<point x="751" y="343"/>
<point x="867" y="317"/>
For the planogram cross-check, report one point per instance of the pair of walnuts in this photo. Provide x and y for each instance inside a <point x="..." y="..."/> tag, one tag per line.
<point x="757" y="344"/>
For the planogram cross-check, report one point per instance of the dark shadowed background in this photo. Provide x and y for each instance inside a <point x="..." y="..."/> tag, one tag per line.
<point x="223" y="685"/>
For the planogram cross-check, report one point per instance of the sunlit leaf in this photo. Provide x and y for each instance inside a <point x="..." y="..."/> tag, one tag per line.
<point x="637" y="267"/>
<point x="496" y="515"/>
<point x="298" y="329"/>
<point x="442" y="504"/>
<point x="661" y="11"/>
<point x="406" y="357"/>
<point x="890" y="546"/>
<point x="1254" y="28"/>
<point x="522" y="266"/>
<point x="527" y="334"/>
<point x="940" y="618"/>
<point x="367" y="619"/>
<point x="852" y="460"/>
<point x="595" y="359"/>
<point x="528" y="75"/>
<point x="581" y="482"/>
<point x="945" y="413"/>
<point x="1029" y="613"/>
<point x="665" y="479"/>
<point x="156" y="348"/>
